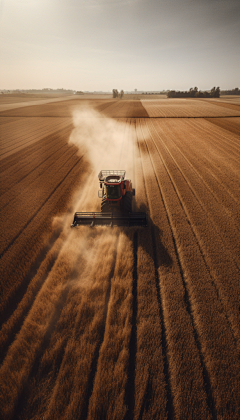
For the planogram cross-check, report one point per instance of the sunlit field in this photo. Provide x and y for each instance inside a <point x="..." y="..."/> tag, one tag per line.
<point x="120" y="323"/>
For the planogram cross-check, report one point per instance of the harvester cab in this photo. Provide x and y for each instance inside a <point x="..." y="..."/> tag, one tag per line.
<point x="116" y="191"/>
<point x="117" y="195"/>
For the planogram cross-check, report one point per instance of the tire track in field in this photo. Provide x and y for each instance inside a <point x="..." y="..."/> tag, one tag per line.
<point x="213" y="177"/>
<point x="39" y="190"/>
<point x="20" y="135"/>
<point x="36" y="328"/>
<point x="30" y="168"/>
<point x="226" y="146"/>
<point x="207" y="384"/>
<point x="7" y="120"/>
<point x="84" y="403"/>
<point x="83" y="406"/>
<point x="169" y="405"/>
<point x="121" y="282"/>
<point x="39" y="208"/>
<point x="153" y="373"/>
<point x="19" y="143"/>
<point x="18" y="178"/>
<point x="14" y="315"/>
<point x="16" y="190"/>
<point x="16" y="264"/>
<point x="217" y="278"/>
<point x="87" y="331"/>
<point x="48" y="143"/>
<point x="225" y="228"/>
<point x="205" y="330"/>
<point x="229" y="126"/>
<point x="186" y="301"/>
<point x="130" y="387"/>
<point x="25" y="155"/>
<point x="42" y="137"/>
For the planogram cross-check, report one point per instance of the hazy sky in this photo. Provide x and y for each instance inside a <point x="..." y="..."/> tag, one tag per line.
<point x="122" y="44"/>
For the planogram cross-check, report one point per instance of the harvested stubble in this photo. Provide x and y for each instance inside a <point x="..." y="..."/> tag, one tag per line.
<point x="194" y="237"/>
<point x="229" y="124"/>
<point x="27" y="131"/>
<point x="187" y="108"/>
<point x="138" y="323"/>
<point x="182" y="353"/>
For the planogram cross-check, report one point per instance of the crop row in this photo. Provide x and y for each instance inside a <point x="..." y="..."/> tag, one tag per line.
<point x="30" y="231"/>
<point x="194" y="240"/>
<point x="52" y="109"/>
<point x="230" y="124"/>
<point x="26" y="127"/>
<point x="21" y="175"/>
<point x="200" y="151"/>
<point x="182" y="349"/>
<point x="206" y="194"/>
<point x="34" y="132"/>
<point x="186" y="108"/>
<point x="212" y="233"/>
<point x="139" y="322"/>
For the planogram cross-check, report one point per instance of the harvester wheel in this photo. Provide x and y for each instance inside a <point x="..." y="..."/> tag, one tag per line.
<point x="127" y="203"/>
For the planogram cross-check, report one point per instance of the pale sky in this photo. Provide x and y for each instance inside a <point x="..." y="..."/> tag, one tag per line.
<point x="123" y="44"/>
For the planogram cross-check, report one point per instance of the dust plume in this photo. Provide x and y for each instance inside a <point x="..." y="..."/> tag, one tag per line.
<point x="101" y="139"/>
<point x="105" y="143"/>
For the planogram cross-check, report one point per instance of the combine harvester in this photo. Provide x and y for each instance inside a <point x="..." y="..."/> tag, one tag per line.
<point x="116" y="207"/>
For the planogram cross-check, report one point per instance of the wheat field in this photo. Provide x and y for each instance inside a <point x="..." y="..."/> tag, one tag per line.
<point x="120" y="323"/>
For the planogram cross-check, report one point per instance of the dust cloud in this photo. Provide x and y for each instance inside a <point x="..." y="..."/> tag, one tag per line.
<point x="101" y="139"/>
<point x="105" y="143"/>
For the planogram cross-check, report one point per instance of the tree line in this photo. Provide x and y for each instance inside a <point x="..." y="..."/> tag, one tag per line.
<point x="117" y="94"/>
<point x="235" y="91"/>
<point x="195" y="93"/>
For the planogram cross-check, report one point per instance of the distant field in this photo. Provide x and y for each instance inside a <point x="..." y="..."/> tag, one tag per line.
<point x="231" y="98"/>
<point x="139" y="96"/>
<point x="120" y="323"/>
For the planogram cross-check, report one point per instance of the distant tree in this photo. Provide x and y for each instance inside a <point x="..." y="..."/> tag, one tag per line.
<point x="121" y="94"/>
<point x="195" y="93"/>
<point x="215" y="92"/>
<point x="171" y="94"/>
<point x="235" y="91"/>
<point x="115" y="93"/>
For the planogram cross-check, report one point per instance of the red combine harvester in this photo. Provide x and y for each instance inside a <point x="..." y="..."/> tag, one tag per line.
<point x="116" y="208"/>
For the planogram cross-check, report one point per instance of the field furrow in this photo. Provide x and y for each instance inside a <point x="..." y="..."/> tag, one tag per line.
<point x="210" y="205"/>
<point x="29" y="139"/>
<point x="199" y="284"/>
<point x="215" y="260"/>
<point x="18" y="261"/>
<point x="17" y="217"/>
<point x="27" y="182"/>
<point x="180" y="330"/>
<point x="229" y="124"/>
<point x="182" y="108"/>
<point x="124" y="322"/>
<point x="37" y="156"/>
<point x="214" y="175"/>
